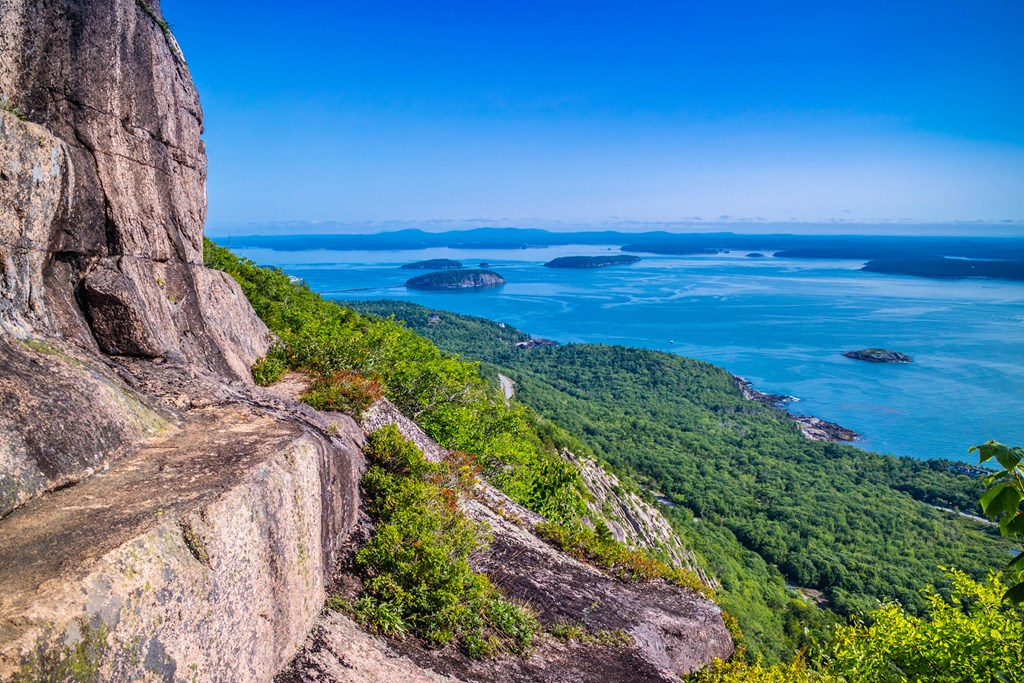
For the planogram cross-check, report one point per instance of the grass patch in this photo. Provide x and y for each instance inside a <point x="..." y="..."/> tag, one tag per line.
<point x="569" y="632"/>
<point x="597" y="547"/>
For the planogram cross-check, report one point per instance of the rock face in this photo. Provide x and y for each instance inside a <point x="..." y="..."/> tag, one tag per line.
<point x="102" y="203"/>
<point x="457" y="279"/>
<point x="104" y="193"/>
<point x="631" y="519"/>
<point x="879" y="356"/>
<point x="149" y="493"/>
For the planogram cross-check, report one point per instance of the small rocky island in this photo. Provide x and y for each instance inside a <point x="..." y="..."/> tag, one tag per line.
<point x="755" y="254"/>
<point x="457" y="279"/>
<point x="879" y="356"/>
<point x="591" y="261"/>
<point x="434" y="264"/>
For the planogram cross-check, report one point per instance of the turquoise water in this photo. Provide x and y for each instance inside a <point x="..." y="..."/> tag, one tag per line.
<point x="780" y="323"/>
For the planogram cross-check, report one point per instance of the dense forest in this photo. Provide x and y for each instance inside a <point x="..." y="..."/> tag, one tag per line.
<point x="763" y="505"/>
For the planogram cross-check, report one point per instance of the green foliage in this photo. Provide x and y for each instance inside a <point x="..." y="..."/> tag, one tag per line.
<point x="969" y="637"/>
<point x="760" y="504"/>
<point x="629" y="564"/>
<point x="1003" y="500"/>
<point x="53" y="660"/>
<point x="416" y="571"/>
<point x="445" y="395"/>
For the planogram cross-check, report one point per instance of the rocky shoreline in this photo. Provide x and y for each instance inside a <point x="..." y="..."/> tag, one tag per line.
<point x="813" y="428"/>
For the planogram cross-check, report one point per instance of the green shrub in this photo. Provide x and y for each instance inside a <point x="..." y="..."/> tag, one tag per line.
<point x="270" y="367"/>
<point x="415" y="567"/>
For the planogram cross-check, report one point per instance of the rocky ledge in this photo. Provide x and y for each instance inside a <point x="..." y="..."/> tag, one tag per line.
<point x="457" y="279"/>
<point x="814" y="428"/>
<point x="879" y="356"/>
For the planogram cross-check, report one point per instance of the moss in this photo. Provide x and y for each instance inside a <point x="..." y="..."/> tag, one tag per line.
<point x="66" y="658"/>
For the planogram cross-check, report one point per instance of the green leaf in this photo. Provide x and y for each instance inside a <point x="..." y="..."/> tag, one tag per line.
<point x="1012" y="525"/>
<point x="1015" y="561"/>
<point x="1015" y="595"/>
<point x="1007" y="457"/>
<point x="1000" y="499"/>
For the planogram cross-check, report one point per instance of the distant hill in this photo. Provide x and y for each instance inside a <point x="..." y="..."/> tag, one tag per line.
<point x="864" y="247"/>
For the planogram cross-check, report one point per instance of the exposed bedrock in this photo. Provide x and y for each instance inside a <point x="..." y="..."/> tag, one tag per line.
<point x="202" y="555"/>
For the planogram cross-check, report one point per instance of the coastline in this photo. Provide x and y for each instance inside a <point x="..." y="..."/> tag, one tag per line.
<point x="814" y="428"/>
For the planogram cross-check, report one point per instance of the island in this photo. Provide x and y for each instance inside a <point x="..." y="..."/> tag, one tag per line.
<point x="591" y="261"/>
<point x="755" y="254"/>
<point x="434" y="264"/>
<point x="949" y="268"/>
<point x="879" y="356"/>
<point x="670" y="249"/>
<point x="483" y="264"/>
<point x="457" y="279"/>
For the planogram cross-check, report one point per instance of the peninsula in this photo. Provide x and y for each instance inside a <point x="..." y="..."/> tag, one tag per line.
<point x="591" y="261"/>
<point x="457" y="279"/>
<point x="434" y="264"/>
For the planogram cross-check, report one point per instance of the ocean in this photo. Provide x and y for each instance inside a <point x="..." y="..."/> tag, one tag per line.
<point x="783" y="324"/>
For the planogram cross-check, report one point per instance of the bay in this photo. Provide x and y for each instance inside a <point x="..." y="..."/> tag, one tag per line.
<point x="781" y="323"/>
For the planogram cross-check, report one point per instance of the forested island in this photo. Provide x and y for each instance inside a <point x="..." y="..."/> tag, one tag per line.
<point x="670" y="248"/>
<point x="591" y="261"/>
<point x="457" y="279"/>
<point x="949" y="268"/>
<point x="434" y="264"/>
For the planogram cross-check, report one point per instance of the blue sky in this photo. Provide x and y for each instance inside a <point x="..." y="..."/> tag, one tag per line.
<point x="596" y="113"/>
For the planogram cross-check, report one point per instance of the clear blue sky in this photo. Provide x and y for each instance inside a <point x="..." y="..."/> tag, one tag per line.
<point x="572" y="113"/>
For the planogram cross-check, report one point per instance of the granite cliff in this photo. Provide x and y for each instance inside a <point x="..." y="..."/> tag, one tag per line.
<point x="161" y="517"/>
